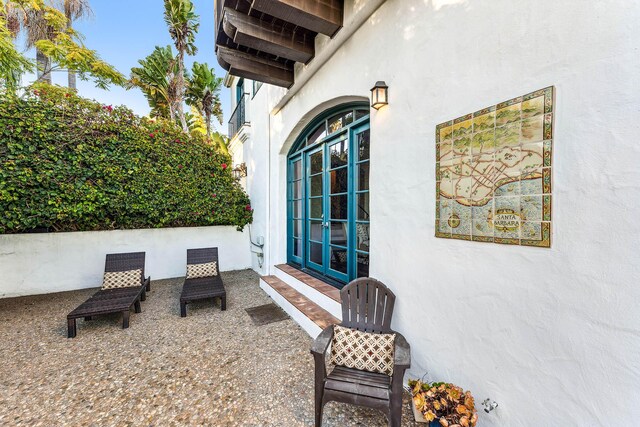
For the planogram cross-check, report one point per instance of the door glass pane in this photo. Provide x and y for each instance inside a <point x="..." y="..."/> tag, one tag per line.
<point x="363" y="206"/>
<point x="297" y="169"/>
<point x="297" y="208"/>
<point x="363" y="145"/>
<point x="297" y="189"/>
<point x="339" y="259"/>
<point x="362" y="261"/>
<point x="316" y="185"/>
<point x="361" y="113"/>
<point x="339" y="207"/>
<point x="315" y="252"/>
<point x="297" y="228"/>
<point x="339" y="153"/>
<point x="363" y="176"/>
<point x="339" y="233"/>
<point x="362" y="237"/>
<point x="317" y="134"/>
<point x="339" y="180"/>
<point x="339" y="121"/>
<point x="316" y="162"/>
<point x="297" y="247"/>
<point x="316" y="208"/>
<point x="315" y="230"/>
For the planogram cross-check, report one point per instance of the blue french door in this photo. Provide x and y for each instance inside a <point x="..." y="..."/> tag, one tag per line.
<point x="328" y="203"/>
<point x="360" y="230"/>
<point x="327" y="206"/>
<point x="315" y="226"/>
<point x="337" y="202"/>
<point x="295" y="196"/>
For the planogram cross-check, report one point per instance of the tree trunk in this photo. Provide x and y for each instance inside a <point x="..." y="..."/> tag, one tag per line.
<point x="180" y="89"/>
<point x="207" y="121"/>
<point x="71" y="74"/>
<point x="183" y="120"/>
<point x="72" y="80"/>
<point x="44" y="67"/>
<point x="173" y="115"/>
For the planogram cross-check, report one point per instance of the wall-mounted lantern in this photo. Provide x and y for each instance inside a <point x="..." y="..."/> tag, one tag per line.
<point x="379" y="95"/>
<point x="240" y="171"/>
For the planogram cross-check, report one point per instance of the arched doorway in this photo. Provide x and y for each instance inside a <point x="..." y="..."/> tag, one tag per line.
<point x="328" y="195"/>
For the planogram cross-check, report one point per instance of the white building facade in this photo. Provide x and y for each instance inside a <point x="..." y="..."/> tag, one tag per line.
<point x="341" y="190"/>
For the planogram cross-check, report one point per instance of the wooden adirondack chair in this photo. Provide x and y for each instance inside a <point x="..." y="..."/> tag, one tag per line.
<point x="367" y="305"/>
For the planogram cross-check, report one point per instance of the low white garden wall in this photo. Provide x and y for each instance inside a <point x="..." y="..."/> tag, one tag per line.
<point x="33" y="264"/>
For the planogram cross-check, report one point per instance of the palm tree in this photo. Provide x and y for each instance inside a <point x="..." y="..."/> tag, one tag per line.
<point x="13" y="18"/>
<point x="12" y="62"/>
<point x="74" y="10"/>
<point x="32" y="20"/>
<point x="46" y="28"/>
<point x="203" y="93"/>
<point x="182" y="22"/>
<point x="154" y="78"/>
<point x="39" y="29"/>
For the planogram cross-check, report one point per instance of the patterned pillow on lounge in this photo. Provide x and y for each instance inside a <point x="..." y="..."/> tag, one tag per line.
<point x="206" y="269"/>
<point x="362" y="350"/>
<point x="122" y="279"/>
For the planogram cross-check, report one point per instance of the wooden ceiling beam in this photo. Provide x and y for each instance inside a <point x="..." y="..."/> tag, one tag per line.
<point x="266" y="37"/>
<point x="320" y="16"/>
<point x="255" y="68"/>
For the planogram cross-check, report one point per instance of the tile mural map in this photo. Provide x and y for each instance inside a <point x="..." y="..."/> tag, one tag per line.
<point x="493" y="173"/>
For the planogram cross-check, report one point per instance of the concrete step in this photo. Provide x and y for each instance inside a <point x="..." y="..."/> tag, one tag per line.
<point x="309" y="315"/>
<point x="322" y="293"/>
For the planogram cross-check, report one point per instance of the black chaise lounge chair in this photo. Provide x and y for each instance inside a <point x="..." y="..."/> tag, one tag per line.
<point x="117" y="295"/>
<point x="203" y="279"/>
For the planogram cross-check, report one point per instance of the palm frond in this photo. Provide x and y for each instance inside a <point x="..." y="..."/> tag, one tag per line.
<point x="75" y="9"/>
<point x="153" y="77"/>
<point x="183" y="24"/>
<point x="203" y="92"/>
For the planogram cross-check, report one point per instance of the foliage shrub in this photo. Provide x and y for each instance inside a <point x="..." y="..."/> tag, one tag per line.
<point x="72" y="164"/>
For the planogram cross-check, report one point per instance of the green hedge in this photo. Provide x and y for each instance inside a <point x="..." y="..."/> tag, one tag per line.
<point x="72" y="164"/>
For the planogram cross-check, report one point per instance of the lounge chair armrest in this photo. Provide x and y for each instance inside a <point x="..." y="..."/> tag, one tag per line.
<point x="321" y="343"/>
<point x="402" y="352"/>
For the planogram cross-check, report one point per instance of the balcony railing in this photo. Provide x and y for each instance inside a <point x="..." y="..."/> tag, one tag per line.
<point x="239" y="117"/>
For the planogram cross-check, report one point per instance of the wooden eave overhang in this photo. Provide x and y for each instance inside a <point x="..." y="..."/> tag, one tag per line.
<point x="263" y="39"/>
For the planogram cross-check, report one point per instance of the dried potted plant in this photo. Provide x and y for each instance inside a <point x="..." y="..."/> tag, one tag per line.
<point x="443" y="404"/>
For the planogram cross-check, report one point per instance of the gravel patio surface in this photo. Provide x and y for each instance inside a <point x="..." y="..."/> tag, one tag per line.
<point x="211" y="368"/>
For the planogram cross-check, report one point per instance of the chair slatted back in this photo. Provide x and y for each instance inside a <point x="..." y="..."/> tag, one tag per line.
<point x="125" y="262"/>
<point x="367" y="305"/>
<point x="202" y="255"/>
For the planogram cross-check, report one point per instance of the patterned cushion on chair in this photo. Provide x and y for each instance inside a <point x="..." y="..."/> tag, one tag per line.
<point x="122" y="279"/>
<point x="362" y="350"/>
<point x="341" y="256"/>
<point x="206" y="269"/>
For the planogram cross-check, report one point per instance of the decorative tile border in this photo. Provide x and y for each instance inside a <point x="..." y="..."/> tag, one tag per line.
<point x="486" y="162"/>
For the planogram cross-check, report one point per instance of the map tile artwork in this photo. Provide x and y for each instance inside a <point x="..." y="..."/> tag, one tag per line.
<point x="493" y="173"/>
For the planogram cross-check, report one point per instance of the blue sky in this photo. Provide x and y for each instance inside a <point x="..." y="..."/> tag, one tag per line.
<point x="125" y="31"/>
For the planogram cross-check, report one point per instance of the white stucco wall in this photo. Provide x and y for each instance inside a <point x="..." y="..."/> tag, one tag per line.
<point x="256" y="150"/>
<point x="553" y="335"/>
<point x="53" y="262"/>
<point x="251" y="145"/>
